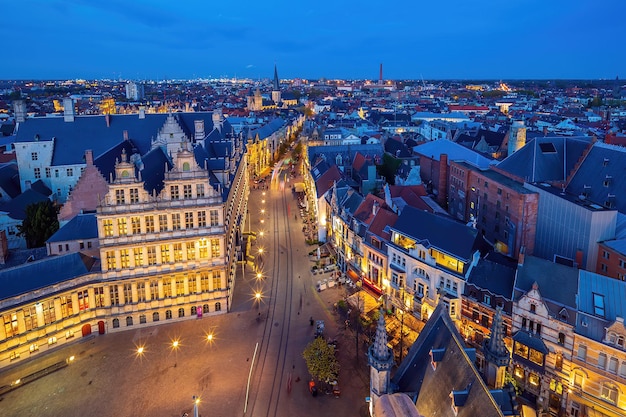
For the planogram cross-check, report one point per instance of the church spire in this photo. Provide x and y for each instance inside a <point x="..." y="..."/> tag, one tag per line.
<point x="496" y="354"/>
<point x="276" y="85"/>
<point x="380" y="360"/>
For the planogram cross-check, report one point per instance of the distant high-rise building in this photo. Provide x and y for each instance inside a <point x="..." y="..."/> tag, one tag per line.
<point x="134" y="91"/>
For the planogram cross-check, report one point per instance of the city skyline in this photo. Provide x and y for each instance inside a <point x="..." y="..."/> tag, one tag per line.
<point x="458" y="40"/>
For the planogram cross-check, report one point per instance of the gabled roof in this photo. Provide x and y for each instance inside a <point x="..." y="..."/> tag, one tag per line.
<point x="326" y="180"/>
<point x="384" y="219"/>
<point x="82" y="226"/>
<point x="441" y="232"/>
<point x="546" y="158"/>
<point x="365" y="212"/>
<point x="493" y="276"/>
<point x="601" y="300"/>
<point x="454" y="370"/>
<point x="16" y="208"/>
<point x="455" y="152"/>
<point x="9" y="179"/>
<point x="557" y="283"/>
<point x="601" y="176"/>
<point x="47" y="272"/>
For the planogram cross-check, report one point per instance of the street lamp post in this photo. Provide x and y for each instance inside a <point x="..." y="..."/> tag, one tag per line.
<point x="196" y="401"/>
<point x="402" y="313"/>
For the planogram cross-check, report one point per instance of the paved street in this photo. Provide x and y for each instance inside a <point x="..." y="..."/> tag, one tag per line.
<point x="110" y="378"/>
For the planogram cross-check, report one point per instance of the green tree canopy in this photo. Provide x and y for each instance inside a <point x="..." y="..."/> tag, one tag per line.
<point x="321" y="361"/>
<point x="40" y="223"/>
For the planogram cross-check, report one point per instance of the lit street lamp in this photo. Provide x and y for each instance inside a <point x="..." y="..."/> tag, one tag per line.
<point x="175" y="345"/>
<point x="196" y="401"/>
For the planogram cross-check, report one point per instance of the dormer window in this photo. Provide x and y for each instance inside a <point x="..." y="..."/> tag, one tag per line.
<point x="436" y="356"/>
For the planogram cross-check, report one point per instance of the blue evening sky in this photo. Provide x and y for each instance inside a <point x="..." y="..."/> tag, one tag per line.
<point x="157" y="39"/>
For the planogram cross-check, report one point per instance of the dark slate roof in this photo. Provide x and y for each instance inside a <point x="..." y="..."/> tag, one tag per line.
<point x="16" y="208"/>
<point x="82" y="226"/>
<point x="106" y="161"/>
<point x="546" y="158"/>
<point x="611" y="291"/>
<point x="442" y="232"/>
<point x="44" y="273"/>
<point x="91" y="132"/>
<point x="494" y="277"/>
<point x="9" y="179"/>
<point x="604" y="162"/>
<point x="153" y="172"/>
<point x="268" y="129"/>
<point x="397" y="149"/>
<point x="556" y="282"/>
<point x="455" y="372"/>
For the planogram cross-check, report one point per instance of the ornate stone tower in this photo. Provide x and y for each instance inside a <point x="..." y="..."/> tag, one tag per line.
<point x="276" y="87"/>
<point x="380" y="360"/>
<point x="497" y="356"/>
<point x="517" y="137"/>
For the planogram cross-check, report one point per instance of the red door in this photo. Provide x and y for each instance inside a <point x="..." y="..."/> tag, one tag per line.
<point x="86" y="330"/>
<point x="101" y="327"/>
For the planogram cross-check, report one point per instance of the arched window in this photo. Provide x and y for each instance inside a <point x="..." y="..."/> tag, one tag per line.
<point x="186" y="166"/>
<point x="155" y="316"/>
<point x="561" y="339"/>
<point x="194" y="310"/>
<point x="168" y="314"/>
<point x="218" y="306"/>
<point x="609" y="392"/>
<point x="129" y="321"/>
<point x="181" y="312"/>
<point x="205" y="308"/>
<point x="142" y="319"/>
<point x="116" y="323"/>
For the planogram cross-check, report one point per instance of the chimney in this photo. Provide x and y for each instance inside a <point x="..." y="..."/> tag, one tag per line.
<point x="545" y="130"/>
<point x="375" y="207"/>
<point x="89" y="157"/>
<point x="142" y="112"/>
<point x="217" y="119"/>
<point x="107" y="119"/>
<point x="198" y="130"/>
<point x="442" y="188"/>
<point x="520" y="257"/>
<point x="19" y="107"/>
<point x="125" y="133"/>
<point x="68" y="109"/>
<point x="579" y="258"/>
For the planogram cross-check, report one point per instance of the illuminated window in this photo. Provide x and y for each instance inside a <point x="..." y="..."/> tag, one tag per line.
<point x="192" y="284"/>
<point x="533" y="379"/>
<point x="121" y="227"/>
<point x="217" y="280"/>
<point x="204" y="282"/>
<point x="154" y="290"/>
<point x="135" y="223"/>
<point x="167" y="287"/>
<point x="99" y="296"/>
<point x="536" y="357"/>
<point x="108" y="227"/>
<point x="165" y="254"/>
<point x="178" y="252"/>
<point x="138" y="255"/>
<point x="191" y="251"/>
<point x="520" y="350"/>
<point x="180" y="286"/>
<point x="111" y="262"/>
<point x="34" y="347"/>
<point x="30" y="318"/>
<point x="66" y="306"/>
<point x="203" y="250"/>
<point x="83" y="300"/>
<point x="125" y="258"/>
<point x="609" y="393"/>
<point x="215" y="248"/>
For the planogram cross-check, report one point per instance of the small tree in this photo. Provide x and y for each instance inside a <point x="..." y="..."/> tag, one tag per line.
<point x="40" y="223"/>
<point x="321" y="361"/>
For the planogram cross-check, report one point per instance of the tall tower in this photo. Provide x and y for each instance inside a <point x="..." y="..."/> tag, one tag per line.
<point x="497" y="356"/>
<point x="380" y="75"/>
<point x="276" y="87"/>
<point x="380" y="360"/>
<point x="517" y="137"/>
